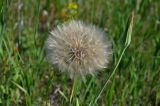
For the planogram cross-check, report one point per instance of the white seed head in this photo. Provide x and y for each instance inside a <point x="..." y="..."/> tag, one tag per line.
<point x="78" y="48"/>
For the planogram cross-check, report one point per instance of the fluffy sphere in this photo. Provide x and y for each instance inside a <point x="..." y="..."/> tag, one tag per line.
<point x="77" y="48"/>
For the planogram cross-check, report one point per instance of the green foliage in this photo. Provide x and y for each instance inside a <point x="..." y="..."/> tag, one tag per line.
<point x="26" y="79"/>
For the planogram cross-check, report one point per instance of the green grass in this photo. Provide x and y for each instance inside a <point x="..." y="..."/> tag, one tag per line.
<point x="26" y="79"/>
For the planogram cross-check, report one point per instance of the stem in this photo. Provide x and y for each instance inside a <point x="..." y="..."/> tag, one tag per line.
<point x="111" y="74"/>
<point x="20" y="22"/>
<point x="73" y="89"/>
<point x="127" y="43"/>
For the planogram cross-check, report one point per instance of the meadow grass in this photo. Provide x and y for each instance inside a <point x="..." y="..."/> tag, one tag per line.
<point x="26" y="79"/>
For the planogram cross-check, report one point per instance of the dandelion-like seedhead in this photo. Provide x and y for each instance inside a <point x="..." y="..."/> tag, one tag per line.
<point x="77" y="48"/>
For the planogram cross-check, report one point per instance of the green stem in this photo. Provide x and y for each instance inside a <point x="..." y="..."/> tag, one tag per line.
<point x="111" y="74"/>
<point x="73" y="90"/>
<point x="127" y="43"/>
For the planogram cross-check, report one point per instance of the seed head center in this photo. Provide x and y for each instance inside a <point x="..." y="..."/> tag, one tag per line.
<point x="77" y="53"/>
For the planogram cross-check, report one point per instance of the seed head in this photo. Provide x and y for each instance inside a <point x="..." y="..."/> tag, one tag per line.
<point x="77" y="48"/>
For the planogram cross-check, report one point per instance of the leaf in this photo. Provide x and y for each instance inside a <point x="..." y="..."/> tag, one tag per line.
<point x="77" y="102"/>
<point x="21" y="88"/>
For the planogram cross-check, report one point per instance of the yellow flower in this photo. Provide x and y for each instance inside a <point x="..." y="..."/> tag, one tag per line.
<point x="72" y="5"/>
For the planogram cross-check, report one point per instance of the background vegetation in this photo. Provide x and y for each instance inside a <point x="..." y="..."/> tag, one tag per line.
<point x="26" y="78"/>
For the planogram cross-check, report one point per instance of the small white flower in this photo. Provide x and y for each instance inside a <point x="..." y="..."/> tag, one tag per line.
<point x="78" y="48"/>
